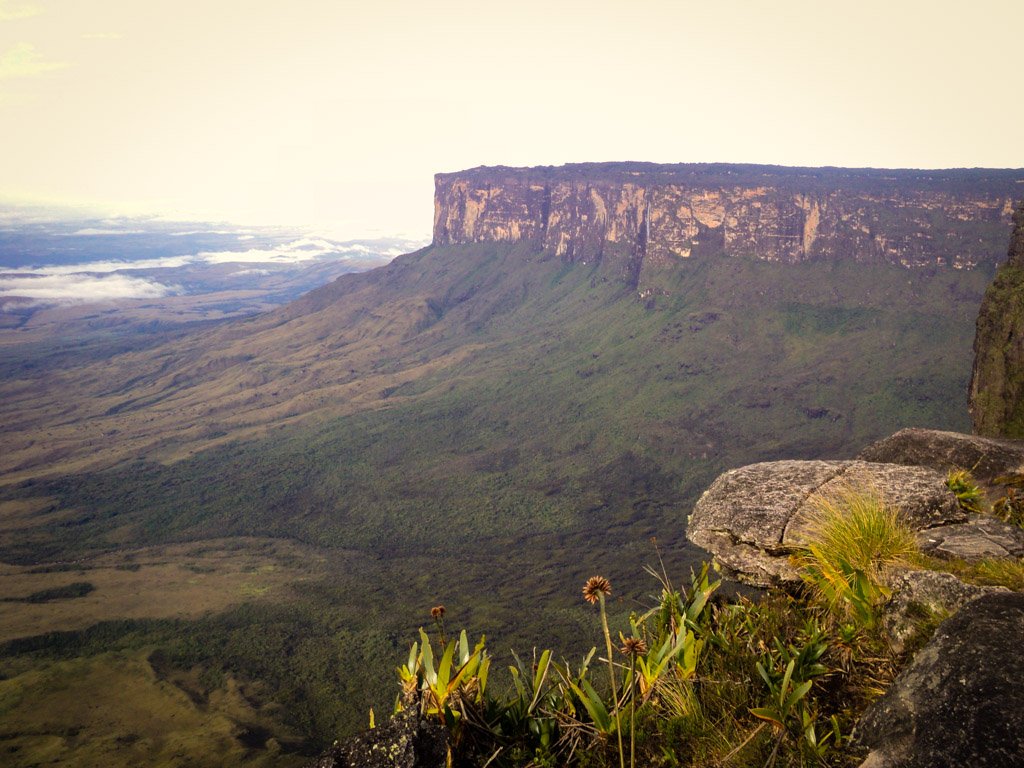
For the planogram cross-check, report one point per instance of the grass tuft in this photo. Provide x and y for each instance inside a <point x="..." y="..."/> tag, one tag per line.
<point x="853" y="538"/>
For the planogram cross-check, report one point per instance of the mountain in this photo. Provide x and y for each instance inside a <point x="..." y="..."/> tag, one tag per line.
<point x="997" y="379"/>
<point x="491" y="419"/>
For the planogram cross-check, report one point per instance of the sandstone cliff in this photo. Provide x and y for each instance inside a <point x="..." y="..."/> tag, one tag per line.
<point x="638" y="218"/>
<point x="997" y="380"/>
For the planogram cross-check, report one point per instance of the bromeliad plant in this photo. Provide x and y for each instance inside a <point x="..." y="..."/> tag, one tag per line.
<point x="450" y="690"/>
<point x="789" y="674"/>
<point x="669" y="631"/>
<point x="969" y="495"/>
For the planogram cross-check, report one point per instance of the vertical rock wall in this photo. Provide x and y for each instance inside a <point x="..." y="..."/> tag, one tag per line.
<point x="639" y="217"/>
<point x="997" y="379"/>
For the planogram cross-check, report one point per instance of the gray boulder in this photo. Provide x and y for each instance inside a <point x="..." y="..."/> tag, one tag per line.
<point x="752" y="518"/>
<point x="978" y="538"/>
<point x="919" y="595"/>
<point x="986" y="457"/>
<point x="961" y="700"/>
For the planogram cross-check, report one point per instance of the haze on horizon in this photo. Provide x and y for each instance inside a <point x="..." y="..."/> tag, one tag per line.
<point x="336" y="115"/>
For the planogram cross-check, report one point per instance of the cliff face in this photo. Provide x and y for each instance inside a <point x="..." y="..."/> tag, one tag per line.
<point x="639" y="218"/>
<point x="997" y="379"/>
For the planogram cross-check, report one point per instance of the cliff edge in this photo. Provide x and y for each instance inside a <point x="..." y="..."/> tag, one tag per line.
<point x="638" y="218"/>
<point x="997" y="379"/>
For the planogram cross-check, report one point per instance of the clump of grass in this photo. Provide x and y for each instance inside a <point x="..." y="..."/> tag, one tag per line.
<point x="991" y="572"/>
<point x="853" y="538"/>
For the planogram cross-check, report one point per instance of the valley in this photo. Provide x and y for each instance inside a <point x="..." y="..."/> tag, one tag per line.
<point x="481" y="423"/>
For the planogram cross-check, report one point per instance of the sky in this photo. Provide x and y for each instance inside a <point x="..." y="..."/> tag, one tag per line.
<point x="335" y="115"/>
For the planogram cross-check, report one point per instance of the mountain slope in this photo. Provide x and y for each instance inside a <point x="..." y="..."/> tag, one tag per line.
<point x="497" y="380"/>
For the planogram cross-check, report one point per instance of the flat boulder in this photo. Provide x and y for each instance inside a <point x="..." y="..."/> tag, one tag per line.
<point x="752" y="518"/>
<point x="961" y="700"/>
<point x="978" y="538"/>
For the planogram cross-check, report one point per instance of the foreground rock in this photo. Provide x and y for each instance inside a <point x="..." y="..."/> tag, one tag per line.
<point x="986" y="458"/>
<point x="405" y="741"/>
<point x="997" y="380"/>
<point x="919" y="595"/>
<point x="961" y="701"/>
<point x="752" y="518"/>
<point x="978" y="538"/>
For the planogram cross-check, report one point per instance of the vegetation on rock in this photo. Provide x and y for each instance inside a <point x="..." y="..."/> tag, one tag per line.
<point x="997" y="380"/>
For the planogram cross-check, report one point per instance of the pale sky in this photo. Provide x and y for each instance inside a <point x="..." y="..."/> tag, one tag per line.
<point x="336" y="114"/>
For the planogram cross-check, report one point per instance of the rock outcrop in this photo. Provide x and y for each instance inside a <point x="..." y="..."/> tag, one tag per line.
<point x="917" y="595"/>
<point x="979" y="537"/>
<point x="639" y="218"/>
<point x="752" y="518"/>
<point x="407" y="740"/>
<point x="961" y="701"/>
<point x="986" y="458"/>
<point x="997" y="379"/>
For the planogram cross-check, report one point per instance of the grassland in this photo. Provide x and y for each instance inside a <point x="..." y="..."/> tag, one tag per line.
<point x="482" y="426"/>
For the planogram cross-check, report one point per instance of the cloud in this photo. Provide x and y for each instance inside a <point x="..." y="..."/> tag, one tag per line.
<point x="103" y="267"/>
<point x="97" y="231"/>
<point x="80" y="289"/>
<point x="23" y="60"/>
<point x="303" y="249"/>
<point x="12" y="11"/>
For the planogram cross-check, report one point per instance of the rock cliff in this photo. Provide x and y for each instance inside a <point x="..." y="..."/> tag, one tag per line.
<point x="638" y="218"/>
<point x="997" y="380"/>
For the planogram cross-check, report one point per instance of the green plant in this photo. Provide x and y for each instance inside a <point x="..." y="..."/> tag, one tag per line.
<point x="969" y="495"/>
<point x="1010" y="507"/>
<point x="452" y="688"/>
<point x="997" y="572"/>
<point x="672" y="641"/>
<point x="852" y="538"/>
<point x="528" y="718"/>
<point x="789" y="709"/>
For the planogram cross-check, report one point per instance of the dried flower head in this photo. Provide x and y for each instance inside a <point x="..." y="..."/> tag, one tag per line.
<point x="595" y="587"/>
<point x="437" y="612"/>
<point x="633" y="646"/>
<point x="410" y="691"/>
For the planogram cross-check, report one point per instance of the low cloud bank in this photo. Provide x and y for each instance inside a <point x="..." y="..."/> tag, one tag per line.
<point x="109" y="279"/>
<point x="101" y="267"/>
<point x="80" y="288"/>
<point x="295" y="252"/>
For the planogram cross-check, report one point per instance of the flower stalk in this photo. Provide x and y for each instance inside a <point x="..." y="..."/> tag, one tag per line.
<point x="594" y="591"/>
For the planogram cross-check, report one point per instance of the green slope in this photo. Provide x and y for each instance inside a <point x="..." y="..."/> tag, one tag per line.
<point x="568" y="423"/>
